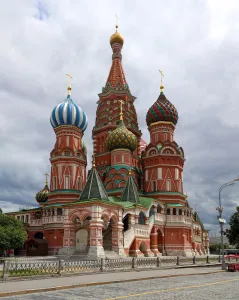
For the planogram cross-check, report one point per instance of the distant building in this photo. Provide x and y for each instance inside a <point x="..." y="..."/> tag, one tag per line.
<point x="132" y="203"/>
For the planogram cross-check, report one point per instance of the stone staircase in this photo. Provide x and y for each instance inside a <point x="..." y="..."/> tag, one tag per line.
<point x="111" y="255"/>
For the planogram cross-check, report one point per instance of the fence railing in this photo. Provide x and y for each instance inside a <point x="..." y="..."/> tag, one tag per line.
<point x="15" y="268"/>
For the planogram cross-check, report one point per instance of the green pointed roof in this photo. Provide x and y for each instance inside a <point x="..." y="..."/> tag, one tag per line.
<point x="130" y="192"/>
<point x="94" y="187"/>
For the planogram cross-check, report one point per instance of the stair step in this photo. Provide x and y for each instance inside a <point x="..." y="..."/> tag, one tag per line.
<point x="111" y="254"/>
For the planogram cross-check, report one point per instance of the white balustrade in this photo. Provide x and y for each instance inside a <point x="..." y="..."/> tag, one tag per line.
<point x="160" y="217"/>
<point x="47" y="220"/>
<point x="179" y="219"/>
<point x="36" y="222"/>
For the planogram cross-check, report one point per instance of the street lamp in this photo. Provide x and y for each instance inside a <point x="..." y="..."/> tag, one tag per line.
<point x="221" y="220"/>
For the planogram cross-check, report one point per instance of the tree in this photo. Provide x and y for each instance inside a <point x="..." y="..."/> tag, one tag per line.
<point x="0" y="211"/>
<point x="12" y="233"/>
<point x="215" y="248"/>
<point x="233" y="232"/>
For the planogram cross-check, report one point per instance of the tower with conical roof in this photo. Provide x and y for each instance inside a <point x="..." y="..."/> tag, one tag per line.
<point x="68" y="158"/>
<point x="163" y="158"/>
<point x="115" y="90"/>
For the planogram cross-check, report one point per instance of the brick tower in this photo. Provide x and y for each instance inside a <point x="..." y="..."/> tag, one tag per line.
<point x="108" y="119"/>
<point x="68" y="158"/>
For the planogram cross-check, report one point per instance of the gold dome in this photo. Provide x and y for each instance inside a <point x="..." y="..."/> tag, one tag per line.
<point x="116" y="38"/>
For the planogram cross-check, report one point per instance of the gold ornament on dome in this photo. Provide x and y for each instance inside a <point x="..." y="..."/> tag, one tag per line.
<point x="116" y="37"/>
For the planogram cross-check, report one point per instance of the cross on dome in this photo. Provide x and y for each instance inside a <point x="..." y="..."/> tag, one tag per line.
<point x="47" y="175"/>
<point x="69" y="83"/>
<point x="161" y="85"/>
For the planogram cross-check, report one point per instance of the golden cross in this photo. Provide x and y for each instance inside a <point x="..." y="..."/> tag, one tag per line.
<point x="117" y="19"/>
<point x="121" y="109"/>
<point x="69" y="83"/>
<point x="46" y="178"/>
<point x="162" y="75"/>
<point x="69" y="79"/>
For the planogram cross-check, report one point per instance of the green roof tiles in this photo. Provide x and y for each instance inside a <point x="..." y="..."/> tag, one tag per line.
<point x="130" y="192"/>
<point x="174" y="205"/>
<point x="94" y="187"/>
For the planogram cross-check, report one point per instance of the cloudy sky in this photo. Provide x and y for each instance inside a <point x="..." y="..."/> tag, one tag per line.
<point x="195" y="43"/>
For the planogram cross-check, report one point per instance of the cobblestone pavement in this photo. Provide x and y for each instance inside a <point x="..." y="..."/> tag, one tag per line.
<point x="219" y="286"/>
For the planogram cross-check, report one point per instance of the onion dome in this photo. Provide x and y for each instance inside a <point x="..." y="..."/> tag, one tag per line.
<point x="42" y="196"/>
<point x="116" y="38"/>
<point x="121" y="137"/>
<point x="162" y="110"/>
<point x="69" y="113"/>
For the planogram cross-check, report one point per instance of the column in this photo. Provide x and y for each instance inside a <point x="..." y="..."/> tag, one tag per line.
<point x="117" y="238"/>
<point x="96" y="249"/>
<point x="154" y="241"/>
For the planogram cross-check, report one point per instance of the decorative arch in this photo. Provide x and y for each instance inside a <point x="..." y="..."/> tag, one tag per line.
<point x="111" y="185"/>
<point x="168" y="150"/>
<point x="122" y="184"/>
<point x="80" y="214"/>
<point x="152" y="210"/>
<point x="142" y="218"/>
<point x="159" y="208"/>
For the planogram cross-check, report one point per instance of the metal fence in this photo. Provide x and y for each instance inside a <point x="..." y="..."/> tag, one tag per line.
<point x="32" y="267"/>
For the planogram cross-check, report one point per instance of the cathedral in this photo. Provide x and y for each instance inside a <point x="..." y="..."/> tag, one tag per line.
<point x="131" y="202"/>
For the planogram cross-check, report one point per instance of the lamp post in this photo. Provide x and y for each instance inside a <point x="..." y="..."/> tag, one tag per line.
<point x="221" y="220"/>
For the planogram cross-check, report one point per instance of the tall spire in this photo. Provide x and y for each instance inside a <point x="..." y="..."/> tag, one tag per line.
<point x="116" y="80"/>
<point x="69" y="84"/>
<point x="130" y="192"/>
<point x="94" y="188"/>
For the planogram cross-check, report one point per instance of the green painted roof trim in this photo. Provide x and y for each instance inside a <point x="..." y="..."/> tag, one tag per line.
<point x="174" y="205"/>
<point x="165" y="193"/>
<point x="65" y="191"/>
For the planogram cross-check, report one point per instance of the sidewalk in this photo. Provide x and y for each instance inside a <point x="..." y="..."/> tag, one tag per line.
<point x="57" y="283"/>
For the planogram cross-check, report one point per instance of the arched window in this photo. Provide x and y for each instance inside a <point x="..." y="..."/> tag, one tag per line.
<point x="159" y="209"/>
<point x="79" y="184"/>
<point x="168" y="185"/>
<point x="187" y="213"/>
<point x="54" y="183"/>
<point x="154" y="186"/>
<point x="168" y="211"/>
<point x="141" y="218"/>
<point x="180" y="212"/>
<point x="59" y="211"/>
<point x="151" y="212"/>
<point x="174" y="211"/>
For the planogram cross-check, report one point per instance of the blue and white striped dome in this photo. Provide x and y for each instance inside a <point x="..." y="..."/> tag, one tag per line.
<point x="68" y="113"/>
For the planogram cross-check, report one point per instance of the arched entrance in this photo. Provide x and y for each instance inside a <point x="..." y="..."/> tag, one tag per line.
<point x="107" y="234"/>
<point x="126" y="221"/>
<point x="81" y="240"/>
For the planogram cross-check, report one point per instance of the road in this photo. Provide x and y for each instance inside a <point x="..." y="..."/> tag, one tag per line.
<point x="218" y="286"/>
